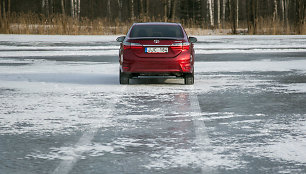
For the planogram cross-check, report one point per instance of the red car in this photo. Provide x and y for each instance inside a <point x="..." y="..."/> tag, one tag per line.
<point x="156" y="49"/>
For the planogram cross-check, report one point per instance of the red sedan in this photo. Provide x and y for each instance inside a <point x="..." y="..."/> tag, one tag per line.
<point x="156" y="49"/>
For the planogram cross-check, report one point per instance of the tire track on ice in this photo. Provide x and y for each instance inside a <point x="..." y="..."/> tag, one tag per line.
<point x="202" y="139"/>
<point x="67" y="165"/>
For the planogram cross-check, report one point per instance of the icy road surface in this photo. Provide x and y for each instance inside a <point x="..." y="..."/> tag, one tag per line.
<point x="63" y="111"/>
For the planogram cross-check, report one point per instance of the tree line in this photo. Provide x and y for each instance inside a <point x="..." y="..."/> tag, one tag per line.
<point x="207" y="14"/>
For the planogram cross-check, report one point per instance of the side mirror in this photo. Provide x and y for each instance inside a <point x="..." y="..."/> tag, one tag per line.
<point x="120" y="39"/>
<point x="193" y="39"/>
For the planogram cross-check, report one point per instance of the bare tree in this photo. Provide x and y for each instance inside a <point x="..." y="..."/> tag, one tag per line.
<point x="63" y="7"/>
<point x="120" y="9"/>
<point x="165" y="10"/>
<point x="9" y="8"/>
<point x="2" y="18"/>
<point x="286" y="12"/>
<point x="283" y="9"/>
<point x="132" y="11"/>
<point x="237" y="13"/>
<point x="45" y="7"/>
<point x="300" y="17"/>
<point x="223" y="10"/>
<point x="109" y="12"/>
<point x="72" y="9"/>
<point x="275" y="11"/>
<point x="211" y="12"/>
<point x="79" y="9"/>
<point x="252" y="16"/>
<point x="174" y="11"/>
<point x="195" y="13"/>
<point x="141" y="7"/>
<point x="0" y="15"/>
<point x="147" y="10"/>
<point x="51" y="6"/>
<point x="76" y="9"/>
<point x="233" y="14"/>
<point x="219" y="20"/>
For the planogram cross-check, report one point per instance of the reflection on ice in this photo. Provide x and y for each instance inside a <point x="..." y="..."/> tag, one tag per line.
<point x="44" y="47"/>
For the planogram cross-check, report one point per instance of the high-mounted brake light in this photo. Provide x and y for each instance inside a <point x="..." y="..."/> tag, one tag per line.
<point x="129" y="45"/>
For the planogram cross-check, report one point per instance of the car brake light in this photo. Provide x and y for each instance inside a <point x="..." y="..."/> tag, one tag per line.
<point x="180" y="46"/>
<point x="186" y="45"/>
<point x="129" y="45"/>
<point x="176" y="46"/>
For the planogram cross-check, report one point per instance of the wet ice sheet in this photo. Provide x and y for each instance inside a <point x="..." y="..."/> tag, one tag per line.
<point x="56" y="98"/>
<point x="251" y="111"/>
<point x="250" y="44"/>
<point x="50" y="46"/>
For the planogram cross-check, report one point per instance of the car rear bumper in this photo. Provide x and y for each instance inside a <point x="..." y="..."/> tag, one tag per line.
<point x="157" y="65"/>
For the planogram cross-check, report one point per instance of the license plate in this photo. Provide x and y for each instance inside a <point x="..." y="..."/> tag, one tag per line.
<point x="156" y="49"/>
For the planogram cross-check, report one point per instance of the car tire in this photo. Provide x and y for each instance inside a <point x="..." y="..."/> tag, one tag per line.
<point x="123" y="78"/>
<point x="189" y="79"/>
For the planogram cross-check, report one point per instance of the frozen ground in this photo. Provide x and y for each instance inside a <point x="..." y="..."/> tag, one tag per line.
<point x="63" y="111"/>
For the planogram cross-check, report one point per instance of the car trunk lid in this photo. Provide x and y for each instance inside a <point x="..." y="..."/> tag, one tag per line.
<point x="156" y="47"/>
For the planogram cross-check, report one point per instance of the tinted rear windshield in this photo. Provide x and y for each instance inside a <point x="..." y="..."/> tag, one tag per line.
<point x="157" y="31"/>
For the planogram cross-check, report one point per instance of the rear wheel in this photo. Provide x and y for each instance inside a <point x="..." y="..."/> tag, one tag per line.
<point x="123" y="78"/>
<point x="189" y="79"/>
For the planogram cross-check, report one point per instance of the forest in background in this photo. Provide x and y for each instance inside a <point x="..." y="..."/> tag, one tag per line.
<point x="116" y="16"/>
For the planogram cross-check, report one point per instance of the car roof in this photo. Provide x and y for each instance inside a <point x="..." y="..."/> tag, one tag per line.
<point x="157" y="23"/>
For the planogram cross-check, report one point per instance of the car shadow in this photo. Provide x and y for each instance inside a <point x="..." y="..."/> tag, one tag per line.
<point x="152" y="81"/>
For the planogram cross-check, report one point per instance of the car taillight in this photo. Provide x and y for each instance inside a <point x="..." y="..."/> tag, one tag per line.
<point x="180" y="46"/>
<point x="129" y="45"/>
<point x="176" y="46"/>
<point x="186" y="45"/>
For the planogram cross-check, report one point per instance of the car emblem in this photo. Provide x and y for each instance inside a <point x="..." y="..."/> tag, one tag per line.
<point x="156" y="41"/>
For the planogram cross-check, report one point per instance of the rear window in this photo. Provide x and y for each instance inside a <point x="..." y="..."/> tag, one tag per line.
<point x="157" y="31"/>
